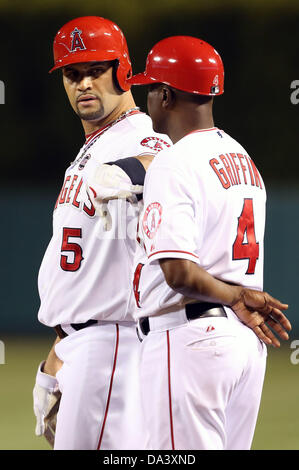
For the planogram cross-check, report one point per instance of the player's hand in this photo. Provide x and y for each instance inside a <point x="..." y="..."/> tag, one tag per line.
<point x="110" y="182"/>
<point x="46" y="396"/>
<point x="259" y="311"/>
<point x="45" y="385"/>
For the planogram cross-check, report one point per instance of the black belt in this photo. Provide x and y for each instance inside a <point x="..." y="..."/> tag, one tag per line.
<point x="193" y="311"/>
<point x="77" y="326"/>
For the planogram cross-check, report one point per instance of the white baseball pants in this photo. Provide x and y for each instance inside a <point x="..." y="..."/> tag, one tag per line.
<point x="201" y="383"/>
<point x="100" y="406"/>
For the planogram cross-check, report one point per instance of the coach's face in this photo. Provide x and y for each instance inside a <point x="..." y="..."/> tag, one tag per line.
<point x="91" y="90"/>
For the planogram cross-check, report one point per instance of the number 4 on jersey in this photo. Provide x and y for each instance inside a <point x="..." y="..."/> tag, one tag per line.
<point x="245" y="245"/>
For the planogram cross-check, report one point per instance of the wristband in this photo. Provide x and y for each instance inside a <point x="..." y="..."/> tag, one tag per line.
<point x="133" y="168"/>
<point x="45" y="380"/>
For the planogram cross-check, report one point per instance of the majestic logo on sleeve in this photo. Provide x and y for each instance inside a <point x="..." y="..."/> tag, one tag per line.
<point x="155" y="143"/>
<point x="152" y="219"/>
<point x="77" y="41"/>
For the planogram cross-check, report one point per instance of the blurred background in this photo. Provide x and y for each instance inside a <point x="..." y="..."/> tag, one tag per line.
<point x="40" y="135"/>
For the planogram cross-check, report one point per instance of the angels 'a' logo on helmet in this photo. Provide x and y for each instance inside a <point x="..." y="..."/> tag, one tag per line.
<point x="77" y="41"/>
<point x="152" y="219"/>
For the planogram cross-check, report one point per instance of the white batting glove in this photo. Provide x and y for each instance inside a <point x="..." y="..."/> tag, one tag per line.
<point x="45" y="394"/>
<point x="111" y="182"/>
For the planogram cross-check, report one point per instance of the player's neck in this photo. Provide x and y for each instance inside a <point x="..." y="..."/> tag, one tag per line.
<point x="189" y="120"/>
<point x="181" y="128"/>
<point x="124" y="105"/>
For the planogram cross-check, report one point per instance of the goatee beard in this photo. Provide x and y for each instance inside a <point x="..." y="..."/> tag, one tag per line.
<point x="92" y="115"/>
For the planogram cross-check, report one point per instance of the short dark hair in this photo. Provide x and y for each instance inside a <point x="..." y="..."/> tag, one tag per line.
<point x="195" y="97"/>
<point x="154" y="86"/>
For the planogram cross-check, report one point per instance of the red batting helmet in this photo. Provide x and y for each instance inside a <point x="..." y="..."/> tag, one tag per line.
<point x="92" y="38"/>
<point x="186" y="63"/>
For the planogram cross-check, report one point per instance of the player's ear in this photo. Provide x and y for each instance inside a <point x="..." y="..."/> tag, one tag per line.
<point x="168" y="96"/>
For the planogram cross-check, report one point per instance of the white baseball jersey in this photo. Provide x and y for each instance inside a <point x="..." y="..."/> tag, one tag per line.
<point x="204" y="200"/>
<point x="86" y="272"/>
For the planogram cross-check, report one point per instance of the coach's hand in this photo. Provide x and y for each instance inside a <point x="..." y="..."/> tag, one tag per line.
<point x="259" y="311"/>
<point x="256" y="309"/>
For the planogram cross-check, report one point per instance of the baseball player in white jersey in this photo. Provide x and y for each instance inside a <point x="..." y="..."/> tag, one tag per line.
<point x="201" y="265"/>
<point x="86" y="274"/>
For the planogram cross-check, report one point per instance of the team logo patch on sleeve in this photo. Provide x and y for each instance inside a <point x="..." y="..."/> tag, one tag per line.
<point x="155" y="143"/>
<point x="152" y="219"/>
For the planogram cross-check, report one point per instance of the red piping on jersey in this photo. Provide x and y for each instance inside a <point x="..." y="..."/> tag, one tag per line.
<point x="203" y="130"/>
<point x="110" y="387"/>
<point x="172" y="251"/>
<point x="169" y="392"/>
<point x="93" y="134"/>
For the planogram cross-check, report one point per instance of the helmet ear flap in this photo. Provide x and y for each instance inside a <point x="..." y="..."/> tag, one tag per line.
<point x="114" y="74"/>
<point x="121" y="73"/>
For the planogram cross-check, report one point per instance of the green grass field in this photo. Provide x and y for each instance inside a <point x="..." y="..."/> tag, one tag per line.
<point x="277" y="428"/>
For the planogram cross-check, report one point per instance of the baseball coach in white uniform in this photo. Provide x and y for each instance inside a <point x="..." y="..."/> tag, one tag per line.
<point x="199" y="272"/>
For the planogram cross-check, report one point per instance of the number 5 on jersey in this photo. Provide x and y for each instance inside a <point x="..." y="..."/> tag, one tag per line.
<point x="74" y="248"/>
<point x="245" y="245"/>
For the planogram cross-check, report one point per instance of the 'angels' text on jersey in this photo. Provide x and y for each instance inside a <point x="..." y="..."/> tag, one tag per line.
<point x="69" y="194"/>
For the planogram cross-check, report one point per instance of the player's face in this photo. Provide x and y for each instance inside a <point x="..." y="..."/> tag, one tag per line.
<point x="91" y="90"/>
